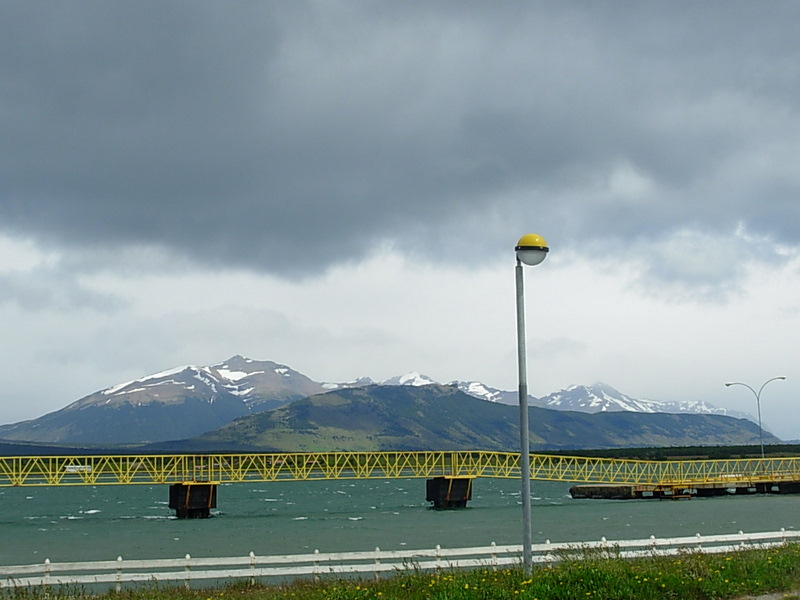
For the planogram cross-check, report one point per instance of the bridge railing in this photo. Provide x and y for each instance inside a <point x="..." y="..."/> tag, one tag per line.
<point x="115" y="573"/>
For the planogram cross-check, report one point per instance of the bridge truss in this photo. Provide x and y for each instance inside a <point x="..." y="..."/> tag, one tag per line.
<point x="231" y="468"/>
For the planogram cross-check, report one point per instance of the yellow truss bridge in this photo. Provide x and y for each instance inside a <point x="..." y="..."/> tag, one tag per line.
<point x="232" y="468"/>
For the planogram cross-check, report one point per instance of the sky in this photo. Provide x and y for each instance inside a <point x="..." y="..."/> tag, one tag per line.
<point x="339" y="187"/>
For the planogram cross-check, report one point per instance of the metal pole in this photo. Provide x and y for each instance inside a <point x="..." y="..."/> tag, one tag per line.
<point x="524" y="452"/>
<point x="760" y="429"/>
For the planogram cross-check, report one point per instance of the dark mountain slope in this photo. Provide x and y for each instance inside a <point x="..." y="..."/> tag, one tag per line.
<point x="434" y="417"/>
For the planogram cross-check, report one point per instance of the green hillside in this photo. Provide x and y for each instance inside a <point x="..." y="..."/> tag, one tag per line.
<point x="435" y="417"/>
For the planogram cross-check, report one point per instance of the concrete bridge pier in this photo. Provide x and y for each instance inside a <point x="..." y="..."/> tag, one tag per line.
<point x="193" y="499"/>
<point x="449" y="492"/>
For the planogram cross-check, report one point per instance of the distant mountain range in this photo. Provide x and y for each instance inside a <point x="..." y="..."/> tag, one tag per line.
<point x="188" y="402"/>
<point x="599" y="397"/>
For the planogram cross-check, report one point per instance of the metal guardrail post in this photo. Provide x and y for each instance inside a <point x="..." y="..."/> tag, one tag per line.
<point x="187" y="570"/>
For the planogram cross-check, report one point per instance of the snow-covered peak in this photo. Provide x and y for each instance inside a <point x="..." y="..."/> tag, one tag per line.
<point x="413" y="378"/>
<point x="481" y="390"/>
<point x="250" y="381"/>
<point x="599" y="397"/>
<point x="238" y="367"/>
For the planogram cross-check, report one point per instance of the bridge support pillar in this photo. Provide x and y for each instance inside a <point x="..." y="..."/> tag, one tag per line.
<point x="784" y="487"/>
<point x="193" y="500"/>
<point x="449" y="492"/>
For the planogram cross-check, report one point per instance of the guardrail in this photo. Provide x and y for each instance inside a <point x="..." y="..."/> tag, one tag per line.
<point x="376" y="562"/>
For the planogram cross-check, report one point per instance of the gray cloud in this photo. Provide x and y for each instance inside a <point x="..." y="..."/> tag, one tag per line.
<point x="45" y="288"/>
<point x="288" y="137"/>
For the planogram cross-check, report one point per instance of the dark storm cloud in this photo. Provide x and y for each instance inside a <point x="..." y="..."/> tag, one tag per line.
<point x="290" y="136"/>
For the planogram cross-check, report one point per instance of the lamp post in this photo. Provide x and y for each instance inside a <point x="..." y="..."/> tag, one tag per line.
<point x="758" y="404"/>
<point x="531" y="250"/>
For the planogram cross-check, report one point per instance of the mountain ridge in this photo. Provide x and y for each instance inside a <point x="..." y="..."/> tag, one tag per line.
<point x="415" y="418"/>
<point x="188" y="401"/>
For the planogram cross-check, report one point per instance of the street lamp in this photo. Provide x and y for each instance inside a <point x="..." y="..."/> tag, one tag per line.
<point x="758" y="403"/>
<point x="531" y="250"/>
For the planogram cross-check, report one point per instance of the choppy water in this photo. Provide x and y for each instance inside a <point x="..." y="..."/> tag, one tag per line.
<point x="103" y="522"/>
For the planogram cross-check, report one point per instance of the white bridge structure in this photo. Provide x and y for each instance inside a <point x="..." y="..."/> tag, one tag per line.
<point x="374" y="563"/>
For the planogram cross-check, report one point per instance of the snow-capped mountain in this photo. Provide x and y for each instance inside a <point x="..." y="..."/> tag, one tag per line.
<point x="601" y="397"/>
<point x="179" y="403"/>
<point x="596" y="398"/>
<point x="253" y="382"/>
<point x="481" y="390"/>
<point x="413" y="378"/>
<point x="473" y="388"/>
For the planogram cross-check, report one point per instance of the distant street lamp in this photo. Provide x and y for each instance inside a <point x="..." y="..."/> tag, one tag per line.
<point x="531" y="250"/>
<point x="758" y="404"/>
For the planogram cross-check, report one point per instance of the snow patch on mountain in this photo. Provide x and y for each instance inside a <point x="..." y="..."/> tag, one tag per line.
<point x="360" y="382"/>
<point x="116" y="388"/>
<point x="245" y="392"/>
<point x="233" y="375"/>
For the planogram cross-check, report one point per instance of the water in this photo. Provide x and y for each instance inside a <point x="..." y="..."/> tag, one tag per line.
<point x="103" y="522"/>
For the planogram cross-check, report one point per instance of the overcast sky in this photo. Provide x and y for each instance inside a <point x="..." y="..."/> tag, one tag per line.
<point x="339" y="187"/>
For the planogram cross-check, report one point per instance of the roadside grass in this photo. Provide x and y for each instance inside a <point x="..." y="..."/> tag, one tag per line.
<point x="588" y="575"/>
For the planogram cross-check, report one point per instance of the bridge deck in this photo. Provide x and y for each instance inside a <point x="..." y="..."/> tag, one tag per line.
<point x="221" y="468"/>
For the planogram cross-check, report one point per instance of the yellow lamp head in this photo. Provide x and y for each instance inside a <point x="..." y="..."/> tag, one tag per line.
<point x="531" y="249"/>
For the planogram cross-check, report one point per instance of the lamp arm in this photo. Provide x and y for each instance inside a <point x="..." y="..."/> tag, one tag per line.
<point x="765" y="385"/>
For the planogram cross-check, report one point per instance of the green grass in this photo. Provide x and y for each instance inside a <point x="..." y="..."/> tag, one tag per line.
<point x="688" y="576"/>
